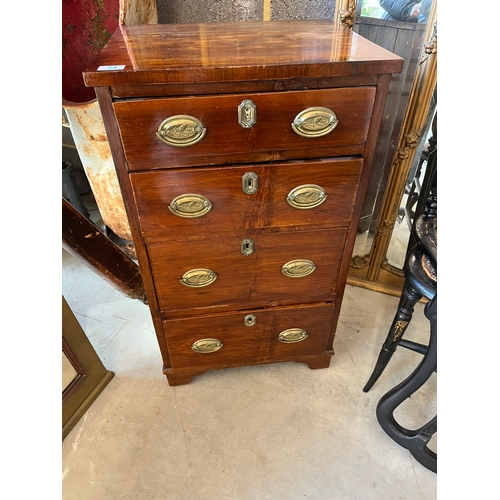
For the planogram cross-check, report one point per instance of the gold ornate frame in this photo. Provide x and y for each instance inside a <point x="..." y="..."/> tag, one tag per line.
<point x="372" y="271"/>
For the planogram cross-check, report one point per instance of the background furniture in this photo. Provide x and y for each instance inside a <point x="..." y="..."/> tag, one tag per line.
<point x="243" y="152"/>
<point x="421" y="281"/>
<point x="87" y="375"/>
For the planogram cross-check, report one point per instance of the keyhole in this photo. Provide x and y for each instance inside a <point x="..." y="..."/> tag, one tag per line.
<point x="250" y="320"/>
<point x="247" y="246"/>
<point x="250" y="183"/>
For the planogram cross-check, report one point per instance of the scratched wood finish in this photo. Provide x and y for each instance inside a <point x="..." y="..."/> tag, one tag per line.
<point x="234" y="208"/>
<point x="225" y="52"/>
<point x="248" y="345"/>
<point x="246" y="281"/>
<point x="209" y="69"/>
<point x="276" y="111"/>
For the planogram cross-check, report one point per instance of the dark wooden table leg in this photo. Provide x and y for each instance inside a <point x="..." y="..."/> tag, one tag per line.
<point x="403" y="316"/>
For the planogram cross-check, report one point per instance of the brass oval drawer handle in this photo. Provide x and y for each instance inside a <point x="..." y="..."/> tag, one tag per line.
<point x="315" y="122"/>
<point x="190" y="205"/>
<point x="292" y="335"/>
<point x="306" y="196"/>
<point x="298" y="268"/>
<point x="205" y="346"/>
<point x="181" y="131"/>
<point x="197" y="278"/>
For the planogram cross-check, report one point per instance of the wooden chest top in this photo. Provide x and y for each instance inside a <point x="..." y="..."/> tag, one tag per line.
<point x="231" y="52"/>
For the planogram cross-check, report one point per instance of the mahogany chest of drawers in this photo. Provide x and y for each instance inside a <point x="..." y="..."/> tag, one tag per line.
<point x="243" y="154"/>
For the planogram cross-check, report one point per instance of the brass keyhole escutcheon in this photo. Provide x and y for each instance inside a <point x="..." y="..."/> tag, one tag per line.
<point x="250" y="320"/>
<point x="247" y="114"/>
<point x="247" y="247"/>
<point x="250" y="183"/>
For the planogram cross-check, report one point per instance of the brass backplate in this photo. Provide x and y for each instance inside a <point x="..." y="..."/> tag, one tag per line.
<point x="190" y="205"/>
<point x="205" y="346"/>
<point x="315" y="122"/>
<point x="197" y="278"/>
<point x="292" y="335"/>
<point x="247" y="114"/>
<point x="306" y="196"/>
<point x="181" y="131"/>
<point x="298" y="268"/>
<point x="250" y="182"/>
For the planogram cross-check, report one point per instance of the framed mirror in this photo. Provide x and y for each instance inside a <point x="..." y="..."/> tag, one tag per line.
<point x="398" y="169"/>
<point x="84" y="376"/>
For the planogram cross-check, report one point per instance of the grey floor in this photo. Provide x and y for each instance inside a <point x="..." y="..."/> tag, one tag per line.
<point x="274" y="432"/>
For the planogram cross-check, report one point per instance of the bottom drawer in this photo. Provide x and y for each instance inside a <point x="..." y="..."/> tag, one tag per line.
<point x="248" y="337"/>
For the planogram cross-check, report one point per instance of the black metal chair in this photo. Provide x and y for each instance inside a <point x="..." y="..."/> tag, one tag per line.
<point x="420" y="271"/>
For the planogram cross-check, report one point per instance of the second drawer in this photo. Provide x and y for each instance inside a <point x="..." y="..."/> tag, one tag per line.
<point x="184" y="202"/>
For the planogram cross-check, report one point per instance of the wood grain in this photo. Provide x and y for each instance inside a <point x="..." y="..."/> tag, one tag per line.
<point x="206" y="71"/>
<point x="220" y="52"/>
<point x="233" y="208"/>
<point x="246" y="281"/>
<point x="248" y="345"/>
<point x="139" y="121"/>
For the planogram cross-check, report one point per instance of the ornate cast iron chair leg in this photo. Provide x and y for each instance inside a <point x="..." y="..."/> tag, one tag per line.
<point x="413" y="440"/>
<point x="403" y="316"/>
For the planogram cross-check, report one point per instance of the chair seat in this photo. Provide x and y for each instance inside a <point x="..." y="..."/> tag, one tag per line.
<point x="420" y="273"/>
<point x="426" y="235"/>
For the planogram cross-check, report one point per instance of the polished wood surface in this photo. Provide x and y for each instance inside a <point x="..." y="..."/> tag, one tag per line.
<point x="232" y="207"/>
<point x="206" y="71"/>
<point x="245" y="51"/>
<point x="225" y="136"/>
<point x="248" y="344"/>
<point x="246" y="281"/>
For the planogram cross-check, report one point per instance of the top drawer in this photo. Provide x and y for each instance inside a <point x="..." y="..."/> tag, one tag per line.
<point x="207" y="130"/>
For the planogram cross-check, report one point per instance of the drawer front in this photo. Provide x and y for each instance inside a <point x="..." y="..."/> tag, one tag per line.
<point x="246" y="337"/>
<point x="246" y="270"/>
<point x="183" y="202"/>
<point x="203" y="130"/>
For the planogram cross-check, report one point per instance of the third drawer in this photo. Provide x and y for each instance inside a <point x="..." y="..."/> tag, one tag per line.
<point x="241" y="270"/>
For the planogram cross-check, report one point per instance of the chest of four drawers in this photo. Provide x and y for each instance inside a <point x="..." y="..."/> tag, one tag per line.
<point x="243" y="205"/>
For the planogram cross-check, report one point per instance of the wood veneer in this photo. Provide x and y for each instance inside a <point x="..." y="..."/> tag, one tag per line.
<point x="206" y="71"/>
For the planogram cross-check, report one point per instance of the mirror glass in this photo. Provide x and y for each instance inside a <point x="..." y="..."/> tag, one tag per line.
<point x="397" y="10"/>
<point x="68" y="372"/>
<point x="398" y="26"/>
<point x="398" y="246"/>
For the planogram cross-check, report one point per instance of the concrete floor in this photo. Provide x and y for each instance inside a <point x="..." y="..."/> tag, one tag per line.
<point x="277" y="432"/>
